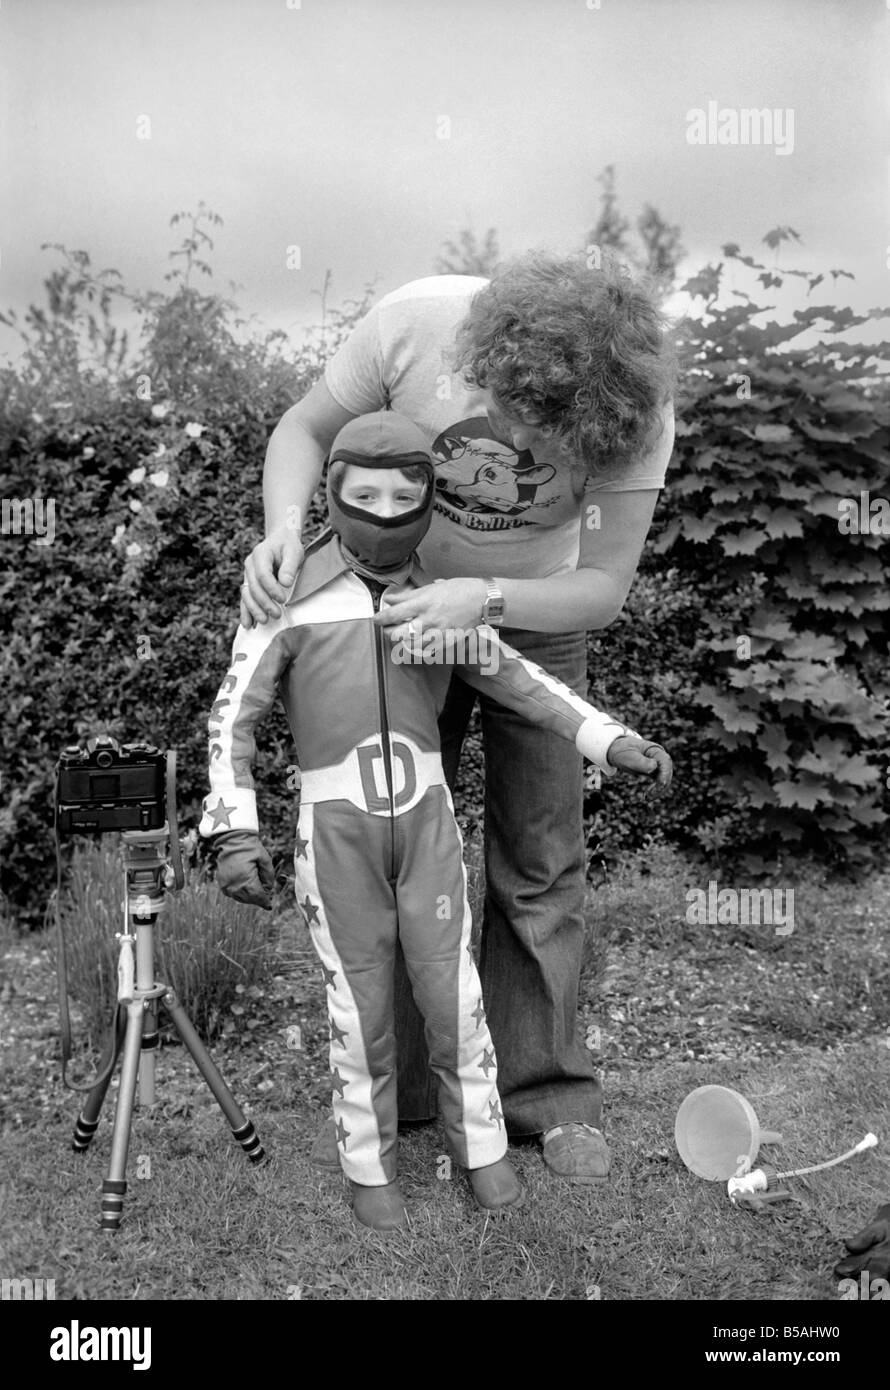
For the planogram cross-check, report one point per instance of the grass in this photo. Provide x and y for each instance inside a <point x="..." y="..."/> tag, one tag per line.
<point x="205" y="1225"/>
<point x="211" y="949"/>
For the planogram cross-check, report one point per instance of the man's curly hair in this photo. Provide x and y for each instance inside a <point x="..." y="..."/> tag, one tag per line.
<point x="581" y="353"/>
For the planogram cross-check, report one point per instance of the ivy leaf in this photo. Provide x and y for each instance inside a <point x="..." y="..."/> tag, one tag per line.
<point x="759" y="791"/>
<point x="735" y="718"/>
<point x="779" y="234"/>
<point x="776" y="631"/>
<point x="824" y="436"/>
<point x="706" y="284"/>
<point x="831" y="758"/>
<point x="813" y="647"/>
<point x="806" y="791"/>
<point x="699" y="530"/>
<point x="779" y="521"/>
<point x="773" y="434"/>
<point x="774" y="745"/>
<point x="758" y="676"/>
<point x="793" y="492"/>
<point x="744" y="542"/>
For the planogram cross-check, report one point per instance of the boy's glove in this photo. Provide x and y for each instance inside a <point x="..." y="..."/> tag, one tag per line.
<point x="869" y="1249"/>
<point x="244" y="870"/>
<point x="633" y="754"/>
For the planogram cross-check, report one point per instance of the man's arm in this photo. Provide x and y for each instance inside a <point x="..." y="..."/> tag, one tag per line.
<point x="295" y="456"/>
<point x="594" y="594"/>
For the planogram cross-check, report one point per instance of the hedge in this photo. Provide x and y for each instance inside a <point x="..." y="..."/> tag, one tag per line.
<point x="754" y="642"/>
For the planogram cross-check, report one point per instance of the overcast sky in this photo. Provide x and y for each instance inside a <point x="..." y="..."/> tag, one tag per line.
<point x="319" y="125"/>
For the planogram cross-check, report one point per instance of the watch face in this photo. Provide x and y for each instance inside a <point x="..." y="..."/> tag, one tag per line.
<point x="494" y="609"/>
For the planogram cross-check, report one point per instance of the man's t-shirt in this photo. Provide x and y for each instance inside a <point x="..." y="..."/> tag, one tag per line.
<point x="497" y="512"/>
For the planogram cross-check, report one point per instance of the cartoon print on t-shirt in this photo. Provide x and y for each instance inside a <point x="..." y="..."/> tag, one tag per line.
<point x="476" y="473"/>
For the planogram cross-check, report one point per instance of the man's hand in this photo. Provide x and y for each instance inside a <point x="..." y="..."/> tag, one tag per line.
<point x="869" y="1249"/>
<point x="637" y="755"/>
<point x="269" y="572"/>
<point x="244" y="870"/>
<point x="444" y="604"/>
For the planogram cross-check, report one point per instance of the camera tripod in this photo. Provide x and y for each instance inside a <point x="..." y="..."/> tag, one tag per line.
<point x="134" y="1030"/>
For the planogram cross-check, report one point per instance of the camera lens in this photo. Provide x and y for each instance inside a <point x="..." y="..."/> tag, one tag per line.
<point x="104" y="759"/>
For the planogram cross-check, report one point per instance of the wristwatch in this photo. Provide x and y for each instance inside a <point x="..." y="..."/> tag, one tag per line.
<point x="493" y="607"/>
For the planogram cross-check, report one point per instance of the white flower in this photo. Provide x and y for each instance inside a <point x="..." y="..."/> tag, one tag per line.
<point x="134" y="548"/>
<point x="38" y="419"/>
<point x="118" y="532"/>
<point x="88" y="453"/>
<point x="136" y="476"/>
<point x="160" y="451"/>
<point x="159" y="411"/>
<point x="135" y="505"/>
<point x="160" y="478"/>
<point x="194" y="430"/>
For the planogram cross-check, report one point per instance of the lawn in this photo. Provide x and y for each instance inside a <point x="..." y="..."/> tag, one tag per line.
<point x="800" y="1024"/>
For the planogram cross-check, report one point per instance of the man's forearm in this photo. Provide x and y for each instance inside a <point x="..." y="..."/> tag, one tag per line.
<point x="294" y="460"/>
<point x="581" y="601"/>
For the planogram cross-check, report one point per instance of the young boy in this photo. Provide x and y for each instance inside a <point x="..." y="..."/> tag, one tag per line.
<point x="379" y="854"/>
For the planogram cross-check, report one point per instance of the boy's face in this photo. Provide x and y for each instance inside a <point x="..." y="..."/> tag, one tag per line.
<point x="381" y="491"/>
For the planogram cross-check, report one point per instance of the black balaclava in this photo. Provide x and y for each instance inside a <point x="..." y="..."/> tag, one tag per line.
<point x="382" y="440"/>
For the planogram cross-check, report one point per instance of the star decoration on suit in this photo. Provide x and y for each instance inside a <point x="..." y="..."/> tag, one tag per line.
<point x="488" y="1063"/>
<point x="337" y="1034"/>
<point x="342" y="1133"/>
<point x="494" y="1112"/>
<point x="310" y="911"/>
<point x="221" y="814"/>
<point x="329" y="976"/>
<point x="337" y="1082"/>
<point x="479" y="1014"/>
<point x="301" y="847"/>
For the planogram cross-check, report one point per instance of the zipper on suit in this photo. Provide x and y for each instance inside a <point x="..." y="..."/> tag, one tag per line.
<point x="379" y="640"/>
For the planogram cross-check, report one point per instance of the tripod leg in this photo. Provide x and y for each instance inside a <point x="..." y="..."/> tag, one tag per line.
<point x="88" y="1119"/>
<point x="242" y="1128"/>
<point x="115" y="1185"/>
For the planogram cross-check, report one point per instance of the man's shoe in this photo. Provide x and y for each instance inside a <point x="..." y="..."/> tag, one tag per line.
<point x="381" y="1208"/>
<point x="576" y="1152"/>
<point x="496" y="1185"/>
<point x="325" y="1151"/>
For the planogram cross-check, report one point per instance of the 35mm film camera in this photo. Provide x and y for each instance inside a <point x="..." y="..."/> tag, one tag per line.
<point x="110" y="786"/>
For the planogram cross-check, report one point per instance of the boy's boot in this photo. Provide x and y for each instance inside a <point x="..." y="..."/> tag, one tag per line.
<point x="496" y="1185"/>
<point x="381" y="1208"/>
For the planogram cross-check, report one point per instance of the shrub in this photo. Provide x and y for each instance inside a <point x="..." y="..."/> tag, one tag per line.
<point x="209" y="948"/>
<point x="767" y="679"/>
<point x="791" y="637"/>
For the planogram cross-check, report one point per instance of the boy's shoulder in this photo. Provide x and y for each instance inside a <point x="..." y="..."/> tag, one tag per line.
<point x="322" y="561"/>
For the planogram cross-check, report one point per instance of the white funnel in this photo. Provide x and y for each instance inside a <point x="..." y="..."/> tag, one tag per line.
<point x="718" y="1134"/>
